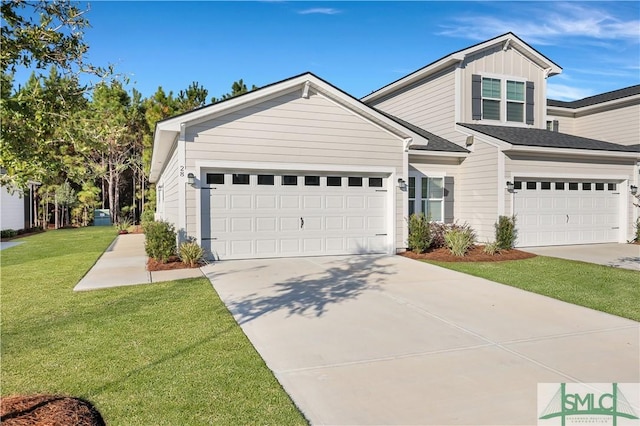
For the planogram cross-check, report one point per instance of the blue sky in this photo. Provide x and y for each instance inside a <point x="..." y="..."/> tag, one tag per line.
<point x="357" y="46"/>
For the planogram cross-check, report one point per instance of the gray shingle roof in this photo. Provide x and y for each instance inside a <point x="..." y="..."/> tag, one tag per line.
<point x="524" y="136"/>
<point x="436" y="143"/>
<point x="597" y="99"/>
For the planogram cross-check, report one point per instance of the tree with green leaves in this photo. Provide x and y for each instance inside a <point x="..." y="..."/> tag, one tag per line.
<point x="237" y="88"/>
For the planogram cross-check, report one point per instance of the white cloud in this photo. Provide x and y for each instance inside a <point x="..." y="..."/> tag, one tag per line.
<point x="562" y="92"/>
<point x="549" y="24"/>
<point x="319" y="11"/>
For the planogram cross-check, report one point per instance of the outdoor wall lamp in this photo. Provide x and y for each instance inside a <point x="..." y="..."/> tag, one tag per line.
<point x="634" y="189"/>
<point x="510" y="187"/>
<point x="191" y="179"/>
<point x="401" y="183"/>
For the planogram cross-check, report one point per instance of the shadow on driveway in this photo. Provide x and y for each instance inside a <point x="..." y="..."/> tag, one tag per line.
<point x="309" y="291"/>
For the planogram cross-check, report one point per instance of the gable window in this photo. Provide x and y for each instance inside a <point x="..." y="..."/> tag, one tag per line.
<point x="505" y="100"/>
<point x="491" y="99"/>
<point x="515" y="101"/>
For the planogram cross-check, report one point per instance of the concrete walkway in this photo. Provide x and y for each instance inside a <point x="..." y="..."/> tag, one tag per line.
<point x="8" y="244"/>
<point x="626" y="256"/>
<point x="124" y="263"/>
<point x="373" y="340"/>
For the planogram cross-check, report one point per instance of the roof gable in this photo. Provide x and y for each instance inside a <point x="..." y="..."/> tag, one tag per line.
<point x="168" y="130"/>
<point x="507" y="40"/>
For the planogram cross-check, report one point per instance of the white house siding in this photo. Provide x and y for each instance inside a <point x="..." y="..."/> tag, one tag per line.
<point x="12" y="208"/>
<point x="566" y="124"/>
<point x="588" y="169"/>
<point x="167" y="207"/>
<point x="509" y="63"/>
<point x="292" y="129"/>
<point x="429" y="104"/>
<point x="476" y="195"/>
<point x="620" y="125"/>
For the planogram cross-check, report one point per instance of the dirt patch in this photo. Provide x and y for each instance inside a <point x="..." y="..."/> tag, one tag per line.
<point x="475" y="254"/>
<point x="49" y="410"/>
<point x="174" y="262"/>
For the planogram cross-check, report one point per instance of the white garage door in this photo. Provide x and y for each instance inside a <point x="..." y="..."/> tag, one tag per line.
<point x="558" y="212"/>
<point x="257" y="215"/>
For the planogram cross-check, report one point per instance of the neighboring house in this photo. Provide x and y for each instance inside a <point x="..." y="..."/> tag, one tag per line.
<point x="302" y="168"/>
<point x="14" y="210"/>
<point x="612" y="116"/>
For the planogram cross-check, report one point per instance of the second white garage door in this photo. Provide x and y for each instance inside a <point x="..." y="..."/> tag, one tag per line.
<point x="559" y="212"/>
<point x="257" y="215"/>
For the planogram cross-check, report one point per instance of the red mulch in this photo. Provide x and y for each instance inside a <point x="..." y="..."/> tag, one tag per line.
<point x="475" y="254"/>
<point x="174" y="262"/>
<point x="48" y="410"/>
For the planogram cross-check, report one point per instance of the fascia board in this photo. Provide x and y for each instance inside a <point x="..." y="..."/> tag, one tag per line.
<point x="574" y="152"/>
<point x="422" y="153"/>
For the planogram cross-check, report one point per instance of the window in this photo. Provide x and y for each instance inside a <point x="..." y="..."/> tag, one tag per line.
<point x="532" y="185"/>
<point x="265" y="179"/>
<point x="586" y="186"/>
<point x="215" y="178"/>
<point x="312" y="180"/>
<point x="412" y="195"/>
<point x="559" y="186"/>
<point x="515" y="101"/>
<point x="334" y="181"/>
<point x="288" y="180"/>
<point x="355" y="181"/>
<point x="573" y="186"/>
<point x="549" y="125"/>
<point x="517" y="184"/>
<point x="491" y="98"/>
<point x="611" y="186"/>
<point x="375" y="182"/>
<point x="545" y="185"/>
<point x="599" y="186"/>
<point x="433" y="198"/>
<point x="240" y="179"/>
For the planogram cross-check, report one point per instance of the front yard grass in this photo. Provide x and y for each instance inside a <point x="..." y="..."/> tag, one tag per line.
<point x="604" y="288"/>
<point x="162" y="354"/>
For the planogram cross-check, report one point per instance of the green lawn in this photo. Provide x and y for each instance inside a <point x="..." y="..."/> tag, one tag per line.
<point x="166" y="353"/>
<point x="604" y="288"/>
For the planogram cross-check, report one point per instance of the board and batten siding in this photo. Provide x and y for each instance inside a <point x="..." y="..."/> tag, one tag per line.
<point x="293" y="129"/>
<point x="503" y="64"/>
<point x="579" y="169"/>
<point x="476" y="190"/>
<point x="168" y="205"/>
<point x="428" y="104"/>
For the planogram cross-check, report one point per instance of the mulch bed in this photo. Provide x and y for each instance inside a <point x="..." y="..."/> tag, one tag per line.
<point x="174" y="262"/>
<point x="475" y="254"/>
<point x="48" y="410"/>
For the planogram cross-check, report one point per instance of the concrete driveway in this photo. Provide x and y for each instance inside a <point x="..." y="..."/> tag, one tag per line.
<point x="364" y="340"/>
<point x="625" y="256"/>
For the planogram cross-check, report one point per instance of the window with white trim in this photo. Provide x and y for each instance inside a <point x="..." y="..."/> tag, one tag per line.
<point x="412" y="195"/>
<point x="432" y="198"/>
<point x="491" y="98"/>
<point x="515" y="101"/>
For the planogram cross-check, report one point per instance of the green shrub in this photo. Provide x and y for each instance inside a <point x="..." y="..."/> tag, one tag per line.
<point x="459" y="241"/>
<point x="8" y="233"/>
<point x="147" y="216"/>
<point x="419" y="233"/>
<point x="438" y="229"/>
<point x="637" y="230"/>
<point x="506" y="232"/>
<point x="160" y="240"/>
<point x="491" y="248"/>
<point x="123" y="224"/>
<point x="190" y="253"/>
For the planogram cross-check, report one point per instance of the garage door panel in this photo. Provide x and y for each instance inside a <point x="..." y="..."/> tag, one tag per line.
<point x="560" y="216"/>
<point x="334" y="201"/>
<point x="241" y="201"/>
<point x="290" y="202"/>
<point x="335" y="244"/>
<point x="355" y="223"/>
<point x="355" y="202"/>
<point x="219" y="225"/>
<point x="312" y="223"/>
<point x="241" y="224"/>
<point x="312" y="245"/>
<point x="266" y="201"/>
<point x="241" y="247"/>
<point x="266" y="224"/>
<point x="312" y="201"/>
<point x="218" y="201"/>
<point x="289" y="223"/>
<point x="289" y="246"/>
<point x="265" y="247"/>
<point x="334" y="223"/>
